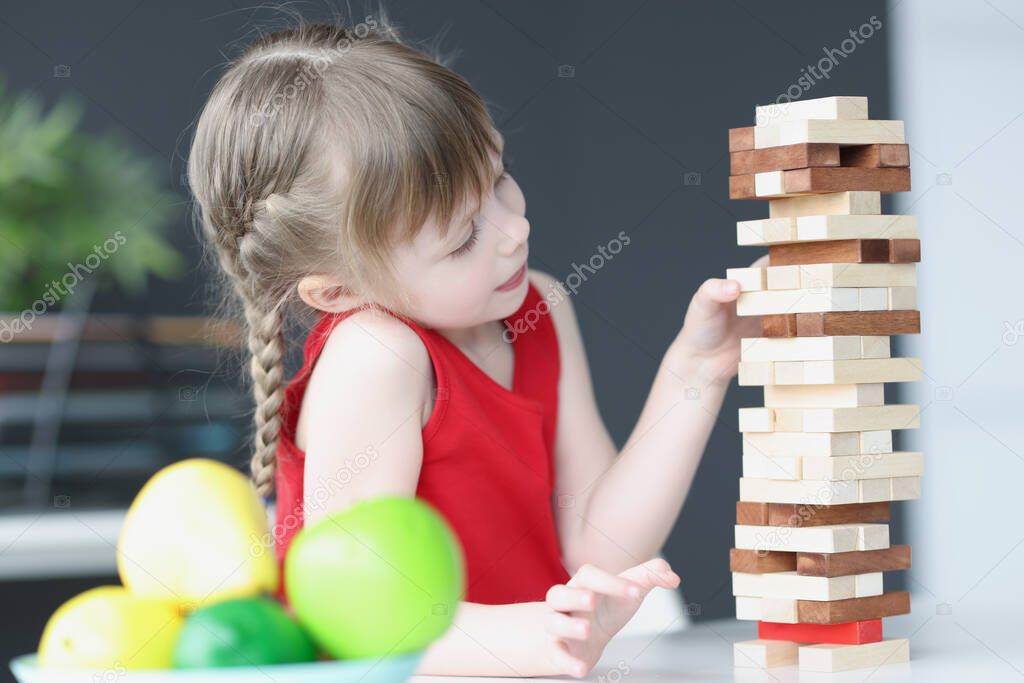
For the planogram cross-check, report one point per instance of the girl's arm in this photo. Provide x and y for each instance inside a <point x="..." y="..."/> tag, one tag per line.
<point x="368" y="442"/>
<point x="616" y="511"/>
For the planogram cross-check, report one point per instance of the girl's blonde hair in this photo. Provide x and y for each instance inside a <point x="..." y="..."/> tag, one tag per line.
<point x="320" y="149"/>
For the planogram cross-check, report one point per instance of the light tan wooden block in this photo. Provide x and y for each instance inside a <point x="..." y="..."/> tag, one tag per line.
<point x="764" y="654"/>
<point x="790" y="585"/>
<point x="843" y="132"/>
<point x="814" y="492"/>
<point x="756" y="419"/>
<point x="864" y="466"/>
<point x="770" y="184"/>
<point x="905" y="488"/>
<point x="816" y="228"/>
<point x="827" y="204"/>
<point x="903" y="298"/>
<point x="780" y="610"/>
<point x="798" y="301"/>
<point x="830" y="658"/>
<point x="774" y="467"/>
<point x="751" y="279"/>
<point x="812" y="348"/>
<point x="821" y="444"/>
<point x="839" y="107"/>
<point x="875" y="441"/>
<point x="818" y="275"/>
<point x="824" y="395"/>
<point x="865" y="226"/>
<point x="829" y="538"/>
<point x="873" y="299"/>
<point x="896" y="416"/>
<point x="766" y="231"/>
<point x="852" y="371"/>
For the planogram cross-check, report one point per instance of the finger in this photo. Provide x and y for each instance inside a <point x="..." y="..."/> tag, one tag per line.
<point x="565" y="663"/>
<point x="760" y="262"/>
<point x="562" y="625"/>
<point x="569" y="599"/>
<point x="708" y="302"/>
<point x="654" y="572"/>
<point x="600" y="581"/>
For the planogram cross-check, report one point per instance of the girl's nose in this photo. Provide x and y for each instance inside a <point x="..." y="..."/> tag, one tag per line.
<point x="514" y="233"/>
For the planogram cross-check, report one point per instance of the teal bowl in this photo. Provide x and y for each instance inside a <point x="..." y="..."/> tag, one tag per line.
<point x="369" y="670"/>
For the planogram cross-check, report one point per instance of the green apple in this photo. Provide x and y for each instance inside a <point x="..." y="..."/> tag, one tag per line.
<point x="382" y="577"/>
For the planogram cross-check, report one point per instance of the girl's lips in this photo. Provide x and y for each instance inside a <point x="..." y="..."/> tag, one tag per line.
<point x="514" y="281"/>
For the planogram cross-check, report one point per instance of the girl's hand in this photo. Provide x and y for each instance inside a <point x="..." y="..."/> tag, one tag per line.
<point x="593" y="606"/>
<point x="712" y="331"/>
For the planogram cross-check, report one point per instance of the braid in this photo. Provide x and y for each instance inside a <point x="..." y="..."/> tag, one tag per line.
<point x="265" y="341"/>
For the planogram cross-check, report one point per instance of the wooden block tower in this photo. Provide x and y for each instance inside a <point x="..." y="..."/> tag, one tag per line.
<point x="819" y="470"/>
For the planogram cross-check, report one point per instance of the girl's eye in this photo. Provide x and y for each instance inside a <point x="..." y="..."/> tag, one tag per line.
<point x="466" y="246"/>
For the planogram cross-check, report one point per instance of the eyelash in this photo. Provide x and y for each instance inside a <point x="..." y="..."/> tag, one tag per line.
<point x="466" y="246"/>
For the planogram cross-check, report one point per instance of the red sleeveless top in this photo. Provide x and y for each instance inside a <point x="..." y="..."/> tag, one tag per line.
<point x="488" y="456"/>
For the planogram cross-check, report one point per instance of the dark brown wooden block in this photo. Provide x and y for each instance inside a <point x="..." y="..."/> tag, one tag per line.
<point x="874" y="156"/>
<point x="904" y="251"/>
<point x="761" y="562"/>
<point x="893" y="558"/>
<point x="783" y="158"/>
<point x="751" y="513"/>
<point x="741" y="186"/>
<point x="798" y="514"/>
<point x="830" y="251"/>
<point x="741" y="139"/>
<point x="839" y="323"/>
<point x="853" y="609"/>
<point x="847" y="179"/>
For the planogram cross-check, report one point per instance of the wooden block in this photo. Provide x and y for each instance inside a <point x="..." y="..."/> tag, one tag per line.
<point x="873" y="299"/>
<point x="814" y="275"/>
<point x="841" y="323"/>
<point x="741" y="139"/>
<point x="784" y="443"/>
<point x="782" y="611"/>
<point x="904" y="250"/>
<point x="855" y="371"/>
<point x="754" y="562"/>
<point x="751" y="279"/>
<point x="753" y="419"/>
<point x="837" y="107"/>
<point x="815" y="492"/>
<point x="833" y="203"/>
<point x="804" y="348"/>
<point x="893" y="558"/>
<point x="835" y="658"/>
<point x="879" y="226"/>
<point x="840" y="179"/>
<point x="843" y="132"/>
<point x="777" y="467"/>
<point x="798" y="301"/>
<point x="829" y="251"/>
<point x="786" y="230"/>
<point x="893" y="416"/>
<point x="826" y="538"/>
<point x="783" y="158"/>
<point x="864" y="466"/>
<point x="901" y="298"/>
<point x="874" y="156"/>
<point x="789" y="515"/>
<point x="857" y="609"/>
<point x="790" y="585"/>
<point x="764" y="654"/>
<point x="817" y="444"/>
<point x="824" y="396"/>
<point x="850" y="633"/>
<point x="817" y="180"/>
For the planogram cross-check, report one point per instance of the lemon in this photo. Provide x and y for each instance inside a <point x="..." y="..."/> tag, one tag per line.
<point x="108" y="628"/>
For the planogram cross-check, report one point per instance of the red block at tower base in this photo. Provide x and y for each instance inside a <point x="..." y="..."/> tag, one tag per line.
<point x="850" y="633"/>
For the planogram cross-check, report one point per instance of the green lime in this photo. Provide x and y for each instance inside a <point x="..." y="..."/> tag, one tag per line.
<point x="241" y="632"/>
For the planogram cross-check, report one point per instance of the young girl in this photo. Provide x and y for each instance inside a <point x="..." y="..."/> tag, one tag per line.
<point x="343" y="169"/>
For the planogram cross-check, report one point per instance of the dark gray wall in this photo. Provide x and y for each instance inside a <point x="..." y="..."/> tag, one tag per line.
<point x="653" y="89"/>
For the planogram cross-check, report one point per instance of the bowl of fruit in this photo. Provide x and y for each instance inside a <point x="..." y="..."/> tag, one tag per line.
<point x="368" y="589"/>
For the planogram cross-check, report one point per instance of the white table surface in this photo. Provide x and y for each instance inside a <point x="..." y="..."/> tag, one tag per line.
<point x="941" y="649"/>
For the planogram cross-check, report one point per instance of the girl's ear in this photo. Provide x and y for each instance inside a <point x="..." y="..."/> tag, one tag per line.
<point x="326" y="293"/>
